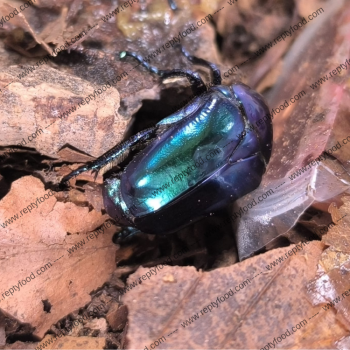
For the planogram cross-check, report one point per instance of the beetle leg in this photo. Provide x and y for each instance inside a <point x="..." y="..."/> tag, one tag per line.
<point x="214" y="69"/>
<point x="124" y="234"/>
<point x="116" y="152"/>
<point x="194" y="78"/>
<point x="173" y="5"/>
<point x="115" y="175"/>
<point x="95" y="171"/>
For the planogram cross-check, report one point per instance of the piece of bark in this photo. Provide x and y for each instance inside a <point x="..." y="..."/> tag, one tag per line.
<point x="272" y="302"/>
<point x="41" y="97"/>
<point x="41" y="238"/>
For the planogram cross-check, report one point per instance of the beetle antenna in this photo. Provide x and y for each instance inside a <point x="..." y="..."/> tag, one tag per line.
<point x="214" y="69"/>
<point x="194" y="78"/>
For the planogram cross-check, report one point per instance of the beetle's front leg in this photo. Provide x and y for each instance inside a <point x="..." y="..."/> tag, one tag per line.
<point x="113" y="154"/>
<point x="125" y="234"/>
<point x="86" y="167"/>
<point x="173" y="5"/>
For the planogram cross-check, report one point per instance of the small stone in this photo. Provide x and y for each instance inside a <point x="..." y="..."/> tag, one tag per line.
<point x="169" y="278"/>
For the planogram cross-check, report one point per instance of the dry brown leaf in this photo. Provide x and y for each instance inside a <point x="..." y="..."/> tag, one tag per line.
<point x="272" y="302"/>
<point x="21" y="21"/>
<point x="93" y="193"/>
<point x="307" y="7"/>
<point x="21" y="345"/>
<point x="332" y="282"/>
<point x="42" y="237"/>
<point x="117" y="316"/>
<point x="74" y="343"/>
<point x="55" y="32"/>
<point x="248" y="25"/>
<point x="310" y="118"/>
<point x="338" y="236"/>
<point x="70" y="155"/>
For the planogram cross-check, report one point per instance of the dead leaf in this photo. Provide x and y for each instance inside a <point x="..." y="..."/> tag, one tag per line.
<point x="74" y="343"/>
<point x="21" y="345"/>
<point x="272" y="302"/>
<point x="338" y="236"/>
<point x="73" y="156"/>
<point x="331" y="287"/>
<point x="39" y="240"/>
<point x="97" y="326"/>
<point x="307" y="7"/>
<point x="117" y="316"/>
<point x="248" y="25"/>
<point x="21" y="22"/>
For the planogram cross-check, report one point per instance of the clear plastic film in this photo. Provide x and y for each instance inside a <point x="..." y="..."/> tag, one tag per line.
<point x="279" y="212"/>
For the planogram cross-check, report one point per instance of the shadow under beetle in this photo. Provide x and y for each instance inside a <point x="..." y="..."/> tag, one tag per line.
<point x="149" y="195"/>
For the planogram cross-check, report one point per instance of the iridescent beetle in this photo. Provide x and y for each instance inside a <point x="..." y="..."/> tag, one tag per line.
<point x="150" y="194"/>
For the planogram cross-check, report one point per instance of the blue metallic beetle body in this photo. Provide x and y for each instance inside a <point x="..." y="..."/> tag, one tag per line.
<point x="149" y="197"/>
<point x="194" y="162"/>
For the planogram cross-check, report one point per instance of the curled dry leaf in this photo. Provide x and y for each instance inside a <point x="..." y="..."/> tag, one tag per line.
<point x="20" y="21"/>
<point x="331" y="288"/>
<point x="39" y="240"/>
<point x="339" y="236"/>
<point x="271" y="302"/>
<point x="117" y="316"/>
